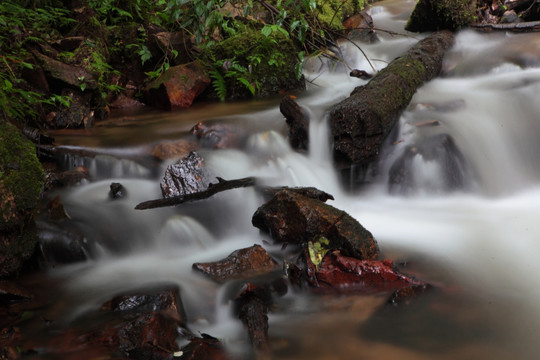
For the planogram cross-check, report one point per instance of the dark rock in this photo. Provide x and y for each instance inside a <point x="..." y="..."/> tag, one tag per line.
<point x="204" y="348"/>
<point x="177" y="87"/>
<point x="162" y="298"/>
<point x="78" y="115"/>
<point x="433" y="15"/>
<point x="297" y="119"/>
<point x="141" y="336"/>
<point x="240" y="264"/>
<point x="293" y="218"/>
<point x="60" y="242"/>
<point x="218" y="135"/>
<point x="345" y="274"/>
<point x="252" y="308"/>
<point x="55" y="209"/>
<point x="185" y="177"/>
<point x="311" y="192"/>
<point x="173" y="149"/>
<point x="438" y="151"/>
<point x="21" y="182"/>
<point x="360" y="74"/>
<point x="11" y="292"/>
<point x="117" y="191"/>
<point x="163" y="43"/>
<point x="123" y="101"/>
<point x="360" y="28"/>
<point x="68" y="74"/>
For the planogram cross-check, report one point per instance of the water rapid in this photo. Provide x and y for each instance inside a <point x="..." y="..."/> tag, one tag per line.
<point x="478" y="234"/>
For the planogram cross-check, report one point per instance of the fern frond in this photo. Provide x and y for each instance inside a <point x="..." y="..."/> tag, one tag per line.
<point x="218" y="83"/>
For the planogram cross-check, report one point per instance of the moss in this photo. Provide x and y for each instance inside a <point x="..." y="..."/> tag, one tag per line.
<point x="266" y="62"/>
<point x="22" y="177"/>
<point x="332" y="12"/>
<point x="431" y="15"/>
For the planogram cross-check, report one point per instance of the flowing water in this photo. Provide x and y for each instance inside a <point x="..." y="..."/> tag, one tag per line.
<point x="476" y="240"/>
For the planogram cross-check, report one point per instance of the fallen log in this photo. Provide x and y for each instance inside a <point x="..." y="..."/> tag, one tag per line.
<point x="529" y="26"/>
<point x="213" y="189"/>
<point x="361" y="123"/>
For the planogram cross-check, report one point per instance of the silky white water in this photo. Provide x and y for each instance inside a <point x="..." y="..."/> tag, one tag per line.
<point x="484" y="237"/>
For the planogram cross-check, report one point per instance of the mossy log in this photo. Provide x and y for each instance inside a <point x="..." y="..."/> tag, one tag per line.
<point x="360" y="123"/>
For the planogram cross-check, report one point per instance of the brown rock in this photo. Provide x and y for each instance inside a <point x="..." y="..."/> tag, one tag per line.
<point x="173" y="149"/>
<point x="240" y="264"/>
<point x="297" y="119"/>
<point x="162" y="298"/>
<point x="218" y="136"/>
<point x="185" y="177"/>
<point x="68" y="74"/>
<point x="293" y="218"/>
<point x="124" y="101"/>
<point x="205" y="348"/>
<point x="360" y="28"/>
<point x="177" y="87"/>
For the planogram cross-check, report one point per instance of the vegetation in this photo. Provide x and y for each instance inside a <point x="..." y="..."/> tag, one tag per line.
<point x="247" y="45"/>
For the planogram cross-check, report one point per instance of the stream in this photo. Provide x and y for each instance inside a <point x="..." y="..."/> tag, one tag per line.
<point x="477" y="243"/>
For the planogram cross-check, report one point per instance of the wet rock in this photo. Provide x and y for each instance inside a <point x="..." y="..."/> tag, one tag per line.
<point x="177" y="87"/>
<point x="117" y="191"/>
<point x="293" y="218"/>
<point x="345" y="274"/>
<point x="435" y="165"/>
<point x="143" y="336"/>
<point x="311" y="192"/>
<point x="173" y="149"/>
<point x="361" y="74"/>
<point x="240" y="264"/>
<point x="360" y="28"/>
<point x="297" y="119"/>
<point x="11" y="292"/>
<point x="162" y="298"/>
<point x="185" y="177"/>
<point x="509" y="16"/>
<point x="218" y="135"/>
<point x="21" y="182"/>
<point x="204" y="348"/>
<point x="60" y="242"/>
<point x="252" y="309"/>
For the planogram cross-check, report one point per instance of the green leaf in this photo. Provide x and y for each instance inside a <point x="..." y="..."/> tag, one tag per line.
<point x="266" y="30"/>
<point x="247" y="84"/>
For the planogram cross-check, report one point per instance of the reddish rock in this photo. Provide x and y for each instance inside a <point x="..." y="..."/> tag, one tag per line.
<point x="185" y="177"/>
<point x="124" y="101"/>
<point x="173" y="149"/>
<point x="240" y="264"/>
<point x="360" y="28"/>
<point x="293" y="218"/>
<point x="205" y="348"/>
<point x="218" y="136"/>
<point x="178" y="87"/>
<point x="160" y="298"/>
<point x="346" y="274"/>
<point x="297" y="119"/>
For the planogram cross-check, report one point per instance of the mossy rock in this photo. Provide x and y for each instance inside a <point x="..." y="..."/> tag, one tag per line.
<point x="266" y="63"/>
<point x="21" y="177"/>
<point x="432" y="15"/>
<point x="16" y="247"/>
<point x="331" y="13"/>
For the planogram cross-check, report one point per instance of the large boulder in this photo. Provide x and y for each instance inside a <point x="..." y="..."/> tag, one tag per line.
<point x="433" y="15"/>
<point x="177" y="87"/>
<point x="293" y="218"/>
<point x="21" y="182"/>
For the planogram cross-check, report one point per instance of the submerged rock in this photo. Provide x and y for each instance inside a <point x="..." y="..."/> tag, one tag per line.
<point x="117" y="191"/>
<point x="204" y="348"/>
<point x="185" y="177"/>
<point x="218" y="135"/>
<point x="293" y="218"/>
<point x="240" y="264"/>
<point x="435" y="165"/>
